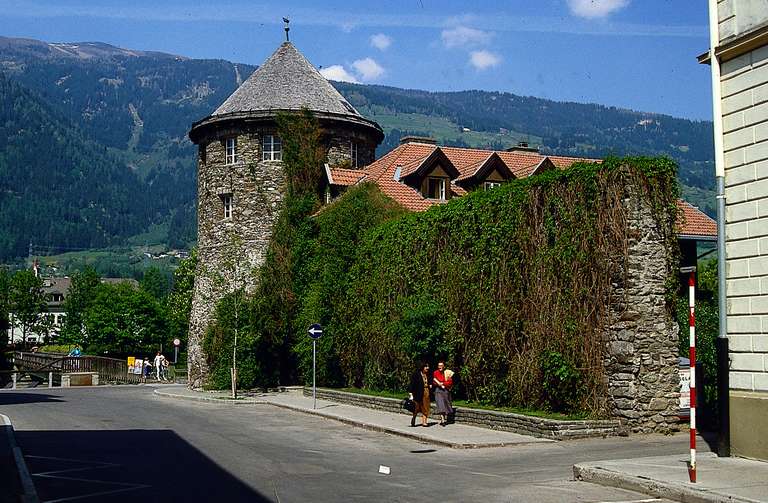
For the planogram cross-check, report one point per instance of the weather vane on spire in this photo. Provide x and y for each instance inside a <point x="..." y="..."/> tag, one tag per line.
<point x="287" y="28"/>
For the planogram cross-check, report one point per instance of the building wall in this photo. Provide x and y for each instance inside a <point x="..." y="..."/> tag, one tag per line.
<point x="641" y="340"/>
<point x="744" y="85"/>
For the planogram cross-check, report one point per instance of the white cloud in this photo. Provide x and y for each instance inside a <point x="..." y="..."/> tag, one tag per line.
<point x="368" y="69"/>
<point x="592" y="9"/>
<point x="462" y="36"/>
<point x="381" y="41"/>
<point x="338" y="73"/>
<point x="484" y="59"/>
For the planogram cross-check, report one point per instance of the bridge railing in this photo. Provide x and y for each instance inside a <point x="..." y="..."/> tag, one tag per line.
<point x="109" y="369"/>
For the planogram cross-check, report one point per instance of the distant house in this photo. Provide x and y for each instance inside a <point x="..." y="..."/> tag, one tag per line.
<point x="56" y="291"/>
<point x="419" y="174"/>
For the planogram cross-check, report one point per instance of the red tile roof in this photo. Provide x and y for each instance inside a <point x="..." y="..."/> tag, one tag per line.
<point x="691" y="221"/>
<point x="410" y="156"/>
<point x="346" y="177"/>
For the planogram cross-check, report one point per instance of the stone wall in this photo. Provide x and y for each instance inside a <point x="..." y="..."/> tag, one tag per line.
<point x="640" y="357"/>
<point x="230" y="250"/>
<point x="495" y="420"/>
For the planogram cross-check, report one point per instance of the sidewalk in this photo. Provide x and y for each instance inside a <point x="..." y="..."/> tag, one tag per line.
<point x="718" y="479"/>
<point x="456" y="436"/>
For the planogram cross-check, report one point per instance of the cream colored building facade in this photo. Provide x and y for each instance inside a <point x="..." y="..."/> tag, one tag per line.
<point x="743" y="55"/>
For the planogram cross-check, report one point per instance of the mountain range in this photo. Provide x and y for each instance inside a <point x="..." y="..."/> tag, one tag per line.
<point x="93" y="145"/>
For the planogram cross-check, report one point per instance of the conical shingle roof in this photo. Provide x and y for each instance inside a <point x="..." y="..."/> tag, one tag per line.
<point x="286" y="81"/>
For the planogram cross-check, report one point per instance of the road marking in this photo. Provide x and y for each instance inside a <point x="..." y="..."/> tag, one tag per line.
<point x="488" y="474"/>
<point x="94" y="465"/>
<point x="91" y="495"/>
<point x="90" y="465"/>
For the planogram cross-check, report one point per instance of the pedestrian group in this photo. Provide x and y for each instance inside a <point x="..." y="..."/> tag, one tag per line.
<point x="422" y="385"/>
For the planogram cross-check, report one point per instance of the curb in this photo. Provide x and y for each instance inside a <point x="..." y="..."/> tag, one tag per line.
<point x="351" y="422"/>
<point x="393" y="431"/>
<point x="670" y="490"/>
<point x="29" y="493"/>
<point x="244" y="401"/>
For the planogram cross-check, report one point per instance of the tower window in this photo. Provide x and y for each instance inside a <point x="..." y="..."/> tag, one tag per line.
<point x="491" y="185"/>
<point x="231" y="150"/>
<point x="353" y="153"/>
<point x="272" y="148"/>
<point x="226" y="201"/>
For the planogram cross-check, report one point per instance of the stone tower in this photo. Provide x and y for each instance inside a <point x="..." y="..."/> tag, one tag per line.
<point x="240" y="178"/>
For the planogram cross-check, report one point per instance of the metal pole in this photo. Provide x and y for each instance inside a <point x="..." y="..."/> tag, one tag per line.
<point x="692" y="357"/>
<point x="50" y="379"/>
<point x="723" y="367"/>
<point x="314" y="373"/>
<point x="14" y="380"/>
<point x="175" y="355"/>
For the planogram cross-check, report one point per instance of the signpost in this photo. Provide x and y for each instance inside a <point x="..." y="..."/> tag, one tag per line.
<point x="315" y="331"/>
<point x="176" y="344"/>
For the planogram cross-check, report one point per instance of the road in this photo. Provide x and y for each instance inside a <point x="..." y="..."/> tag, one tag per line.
<point x="115" y="444"/>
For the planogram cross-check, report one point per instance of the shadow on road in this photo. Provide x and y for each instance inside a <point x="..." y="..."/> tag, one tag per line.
<point x="15" y="398"/>
<point x="126" y="466"/>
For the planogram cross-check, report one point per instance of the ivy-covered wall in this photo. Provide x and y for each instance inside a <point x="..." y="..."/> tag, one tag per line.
<point x="522" y="289"/>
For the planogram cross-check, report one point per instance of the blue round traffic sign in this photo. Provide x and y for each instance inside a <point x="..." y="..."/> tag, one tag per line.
<point x="315" y="330"/>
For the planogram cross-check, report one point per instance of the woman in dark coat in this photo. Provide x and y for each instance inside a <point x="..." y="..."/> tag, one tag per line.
<point x="421" y="383"/>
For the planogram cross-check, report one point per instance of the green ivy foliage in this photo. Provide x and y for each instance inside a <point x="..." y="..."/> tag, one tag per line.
<point x="495" y="283"/>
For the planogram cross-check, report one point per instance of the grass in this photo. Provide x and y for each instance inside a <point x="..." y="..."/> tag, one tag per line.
<point x="476" y="405"/>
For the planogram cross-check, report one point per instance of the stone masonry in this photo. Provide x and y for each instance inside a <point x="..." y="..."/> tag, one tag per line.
<point x="640" y="356"/>
<point x="230" y="250"/>
<point x="233" y="242"/>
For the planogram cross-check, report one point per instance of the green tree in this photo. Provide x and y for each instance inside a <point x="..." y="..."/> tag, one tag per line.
<point x="179" y="301"/>
<point x="5" y="308"/>
<point x="155" y="283"/>
<point x="123" y="320"/>
<point x="27" y="300"/>
<point x="79" y="298"/>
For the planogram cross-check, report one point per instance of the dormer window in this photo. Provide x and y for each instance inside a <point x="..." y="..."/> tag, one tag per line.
<point x="490" y="185"/>
<point x="272" y="148"/>
<point x="353" y="153"/>
<point x="436" y="188"/>
<point x="226" y="202"/>
<point x="231" y="150"/>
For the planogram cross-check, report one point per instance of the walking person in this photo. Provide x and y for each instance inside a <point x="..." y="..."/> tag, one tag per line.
<point x="419" y="390"/>
<point x="443" y="381"/>
<point x="158" y="364"/>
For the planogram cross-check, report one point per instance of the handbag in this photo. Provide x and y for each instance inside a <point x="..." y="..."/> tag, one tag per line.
<point x="408" y="404"/>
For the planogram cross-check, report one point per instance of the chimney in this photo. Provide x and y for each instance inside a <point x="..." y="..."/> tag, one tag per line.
<point x="523" y="147"/>
<point x="417" y="139"/>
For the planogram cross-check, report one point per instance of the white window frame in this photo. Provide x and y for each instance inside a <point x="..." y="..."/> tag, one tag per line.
<point x="490" y="185"/>
<point x="271" y="148"/>
<point x="230" y="149"/>
<point x="353" y="153"/>
<point x="441" y="188"/>
<point x="228" y="205"/>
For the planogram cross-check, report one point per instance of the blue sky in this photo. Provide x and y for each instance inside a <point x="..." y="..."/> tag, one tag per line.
<point x="638" y="54"/>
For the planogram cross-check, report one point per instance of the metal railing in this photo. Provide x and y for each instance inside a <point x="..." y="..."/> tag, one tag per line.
<point x="109" y="369"/>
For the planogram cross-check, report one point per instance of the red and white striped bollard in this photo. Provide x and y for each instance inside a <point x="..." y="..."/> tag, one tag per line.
<point x="692" y="358"/>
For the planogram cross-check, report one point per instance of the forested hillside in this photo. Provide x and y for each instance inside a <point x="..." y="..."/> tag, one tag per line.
<point x="58" y="186"/>
<point x="131" y="110"/>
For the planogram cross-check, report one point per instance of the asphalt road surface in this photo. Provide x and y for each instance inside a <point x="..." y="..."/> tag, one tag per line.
<point x="121" y="444"/>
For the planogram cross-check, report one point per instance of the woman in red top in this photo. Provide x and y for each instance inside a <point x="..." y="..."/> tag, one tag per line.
<point x="443" y="386"/>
